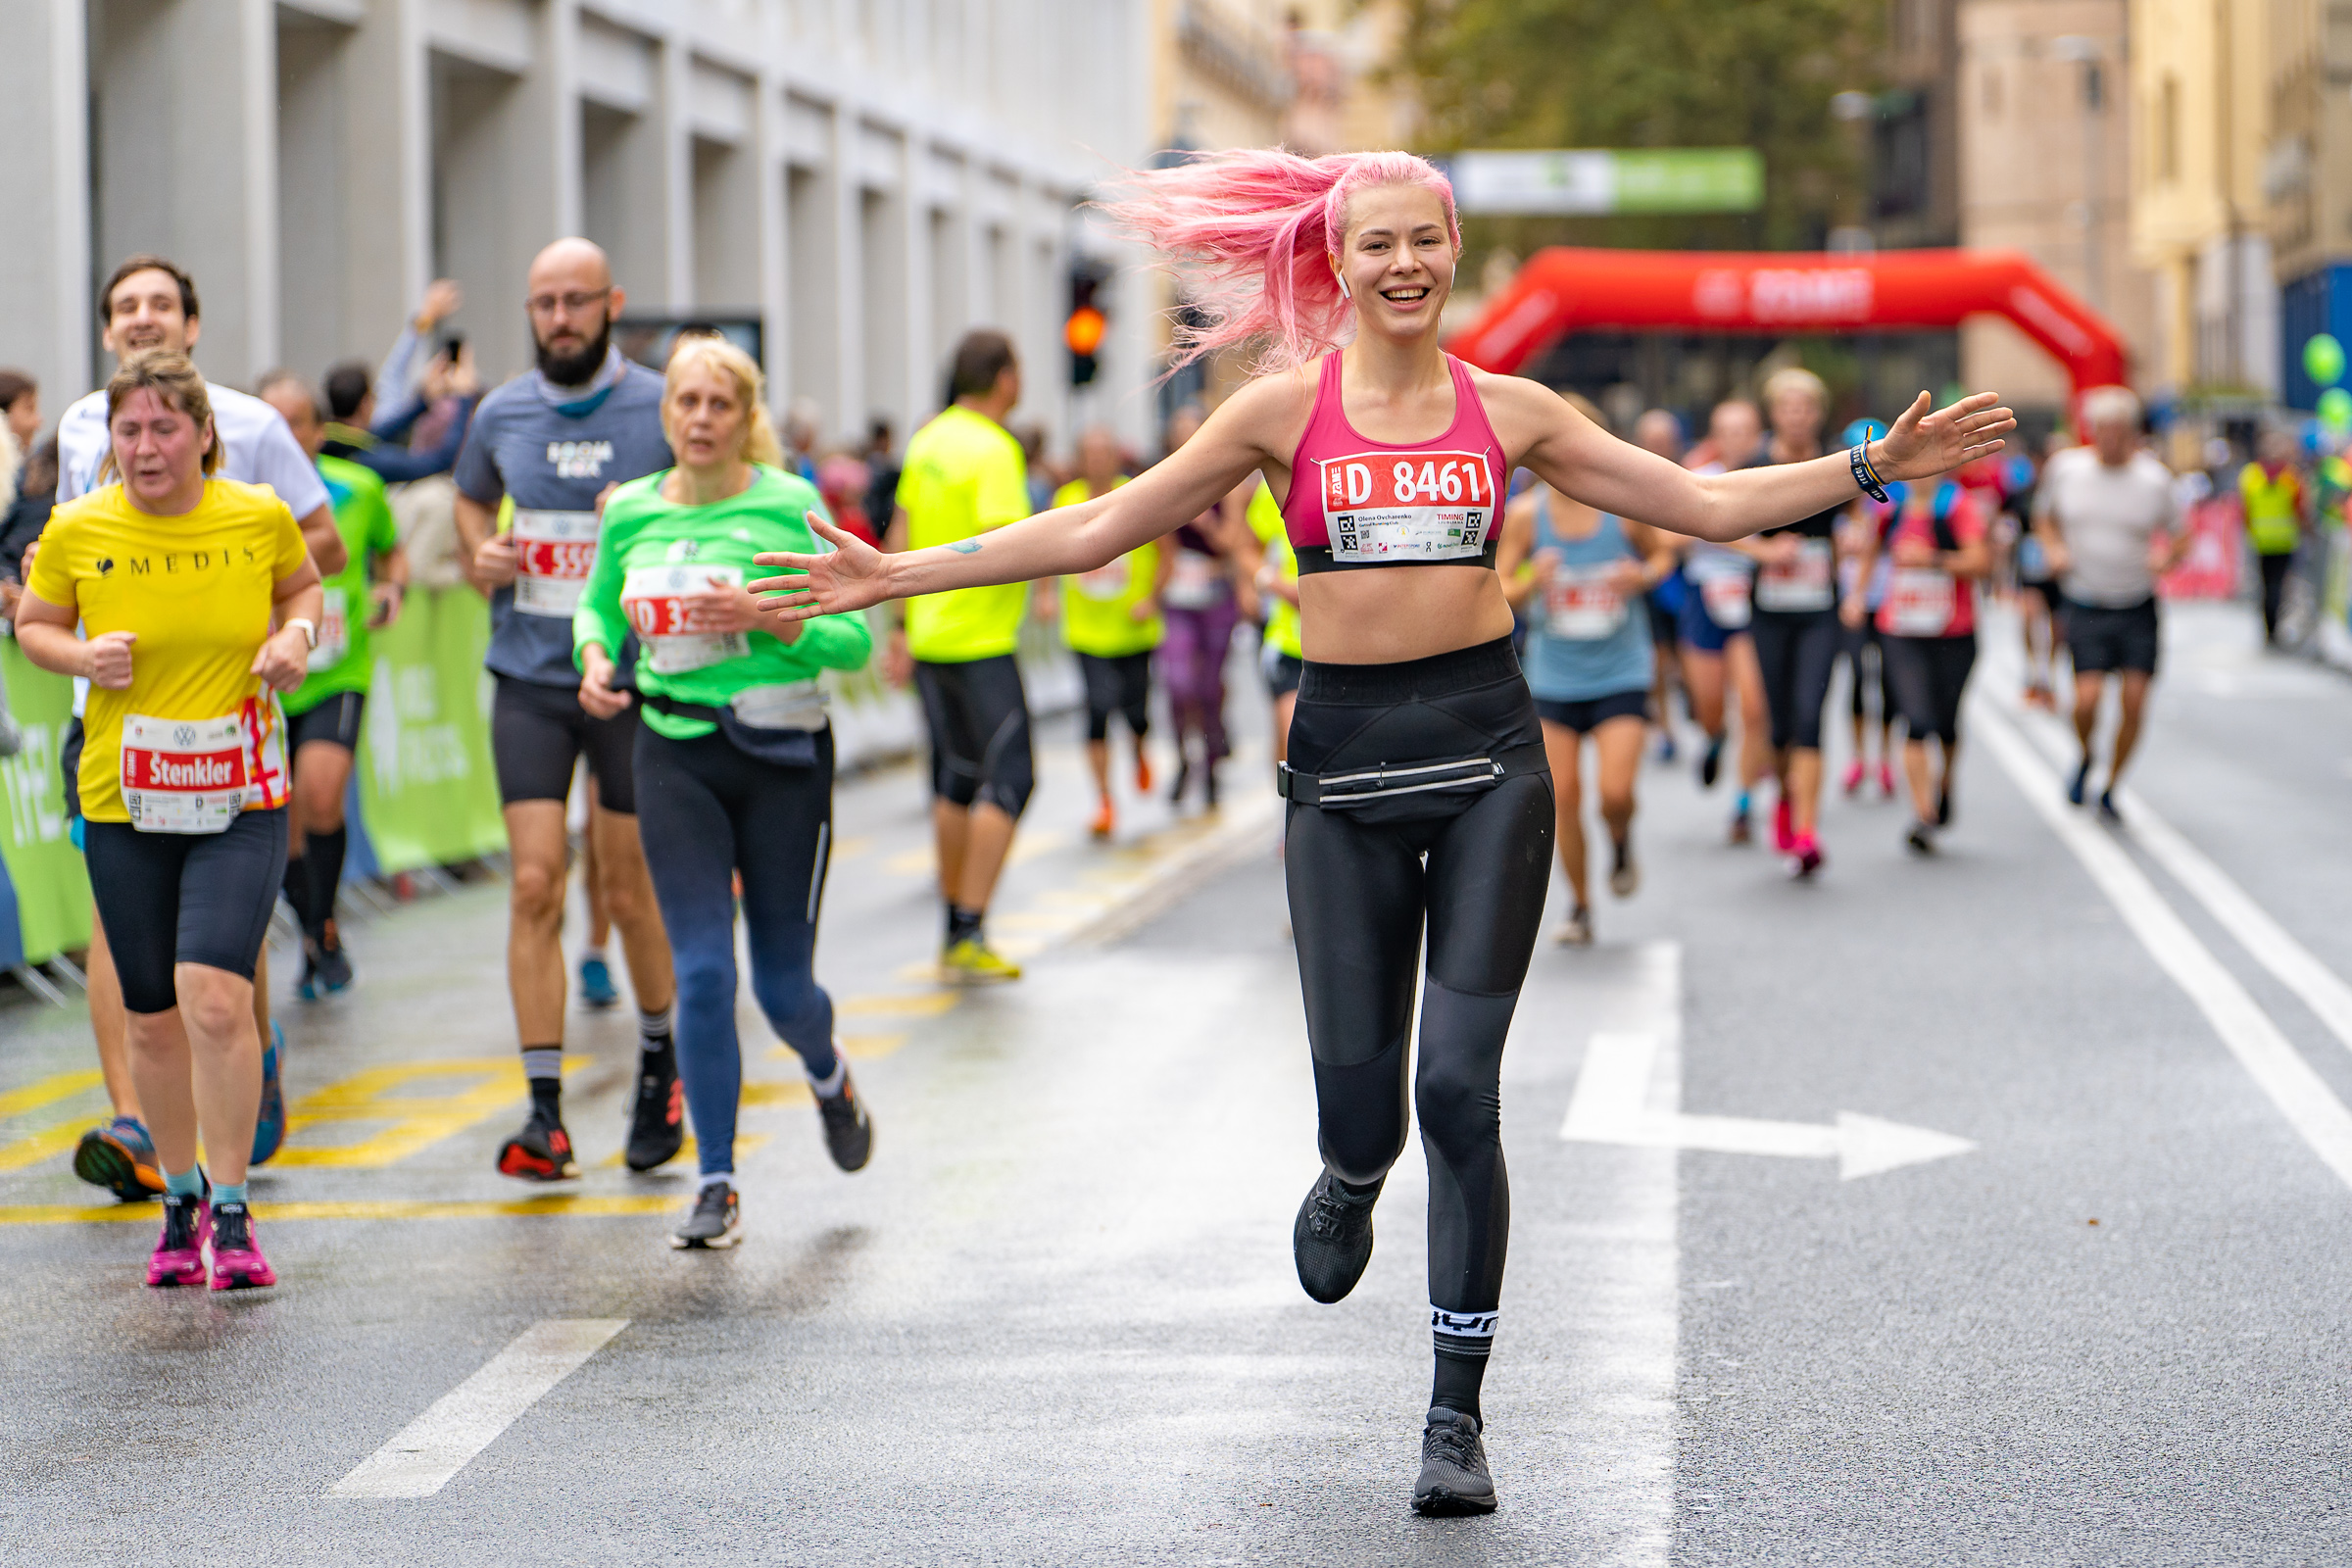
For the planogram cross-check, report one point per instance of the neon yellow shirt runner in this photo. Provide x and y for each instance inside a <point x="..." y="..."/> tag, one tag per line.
<point x="965" y="475"/>
<point x="1098" y="607"/>
<point x="2271" y="507"/>
<point x="339" y="663"/>
<point x="1282" y="616"/>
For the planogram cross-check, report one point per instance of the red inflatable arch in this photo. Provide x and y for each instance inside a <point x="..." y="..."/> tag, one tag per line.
<point x="1562" y="290"/>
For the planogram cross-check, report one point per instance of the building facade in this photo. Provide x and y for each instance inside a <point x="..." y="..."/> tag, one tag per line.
<point x="865" y="179"/>
<point x="2307" y="181"/>
<point x="2045" y="167"/>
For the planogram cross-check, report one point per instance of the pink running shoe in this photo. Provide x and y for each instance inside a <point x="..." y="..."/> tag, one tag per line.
<point x="1853" y="776"/>
<point x="237" y="1260"/>
<point x="1804" y="858"/>
<point x="178" y="1257"/>
<point x="1784" y="827"/>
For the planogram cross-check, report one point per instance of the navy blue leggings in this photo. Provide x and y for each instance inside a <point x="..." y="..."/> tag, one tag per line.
<point x="705" y="810"/>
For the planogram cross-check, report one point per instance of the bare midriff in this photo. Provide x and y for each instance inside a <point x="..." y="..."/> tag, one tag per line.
<point x="1385" y="618"/>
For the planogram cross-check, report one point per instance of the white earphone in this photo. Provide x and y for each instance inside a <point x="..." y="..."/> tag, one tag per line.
<point x="1344" y="294"/>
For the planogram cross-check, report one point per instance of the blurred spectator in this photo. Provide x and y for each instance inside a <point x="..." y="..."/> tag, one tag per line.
<point x="882" y="463"/>
<point x="802" y="423"/>
<point x="1042" y="480"/>
<point x="24" y="518"/>
<point x="426" y="405"/>
<point x="842" y="481"/>
<point x="19" y="426"/>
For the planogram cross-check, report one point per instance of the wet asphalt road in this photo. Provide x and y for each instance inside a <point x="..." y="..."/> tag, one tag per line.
<point x="1056" y="1321"/>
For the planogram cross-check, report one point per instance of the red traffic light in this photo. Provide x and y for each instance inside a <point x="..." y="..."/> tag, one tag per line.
<point x="1084" y="330"/>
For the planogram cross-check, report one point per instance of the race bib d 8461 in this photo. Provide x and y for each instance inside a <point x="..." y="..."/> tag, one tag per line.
<point x="1407" y="506"/>
<point x="553" y="552"/>
<point x="657" y="600"/>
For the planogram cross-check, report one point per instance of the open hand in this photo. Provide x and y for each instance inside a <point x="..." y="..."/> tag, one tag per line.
<point x="1924" y="444"/>
<point x="849" y="576"/>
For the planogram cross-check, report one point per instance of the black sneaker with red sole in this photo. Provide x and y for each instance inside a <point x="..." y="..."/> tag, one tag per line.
<point x="541" y="1151"/>
<point x="658" y="1118"/>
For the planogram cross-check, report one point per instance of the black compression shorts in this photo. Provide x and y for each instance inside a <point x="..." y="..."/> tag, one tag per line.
<point x="978" y="717"/>
<point x="538" y="732"/>
<point x="1795" y="653"/>
<point x="337" y="719"/>
<point x="167" y="898"/>
<point x="1120" y="685"/>
<point x="2100" y="639"/>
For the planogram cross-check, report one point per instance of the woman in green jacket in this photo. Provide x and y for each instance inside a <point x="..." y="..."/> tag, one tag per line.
<point x="735" y="759"/>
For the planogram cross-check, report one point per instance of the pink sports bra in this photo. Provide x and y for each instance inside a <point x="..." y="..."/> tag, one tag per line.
<point x="1356" y="502"/>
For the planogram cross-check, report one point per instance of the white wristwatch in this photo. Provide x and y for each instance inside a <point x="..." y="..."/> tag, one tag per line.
<point x="309" y="629"/>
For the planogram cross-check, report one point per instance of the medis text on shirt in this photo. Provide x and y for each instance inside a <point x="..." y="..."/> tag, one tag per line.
<point x="579" y="460"/>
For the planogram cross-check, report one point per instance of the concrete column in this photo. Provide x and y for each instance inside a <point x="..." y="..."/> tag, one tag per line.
<point x="187" y="110"/>
<point x="923" y="329"/>
<point x="771" y="217"/>
<point x="45" y="269"/>
<point x="848" y="271"/>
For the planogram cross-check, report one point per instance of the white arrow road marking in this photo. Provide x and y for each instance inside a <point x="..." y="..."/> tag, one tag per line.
<point x="1612" y="1107"/>
<point x="469" y="1418"/>
<point x="2302" y="1097"/>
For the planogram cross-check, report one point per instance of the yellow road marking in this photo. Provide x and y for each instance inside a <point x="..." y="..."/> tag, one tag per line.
<point x="48" y="1092"/>
<point x="412" y="1122"/>
<point x="792" y="1092"/>
<point x="919" y="1005"/>
<point x="576" y="1204"/>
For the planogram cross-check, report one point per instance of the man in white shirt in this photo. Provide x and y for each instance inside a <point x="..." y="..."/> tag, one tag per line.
<point x="150" y="304"/>
<point x="2108" y="517"/>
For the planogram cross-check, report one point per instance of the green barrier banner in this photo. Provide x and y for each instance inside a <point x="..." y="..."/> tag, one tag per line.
<point x="429" y="790"/>
<point x="52" y="891"/>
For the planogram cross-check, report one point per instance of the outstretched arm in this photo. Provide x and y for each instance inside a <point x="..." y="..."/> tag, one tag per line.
<point x="1066" y="539"/>
<point x="1578" y="458"/>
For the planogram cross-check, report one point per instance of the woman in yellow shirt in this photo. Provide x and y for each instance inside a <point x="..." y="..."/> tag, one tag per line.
<point x="178" y="578"/>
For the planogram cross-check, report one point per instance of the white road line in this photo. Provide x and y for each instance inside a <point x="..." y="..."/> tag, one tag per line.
<point x="2265" y="940"/>
<point x="2277" y="1070"/>
<point x="461" y="1423"/>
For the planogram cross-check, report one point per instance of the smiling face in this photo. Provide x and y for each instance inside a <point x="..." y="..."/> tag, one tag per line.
<point x="159" y="449"/>
<point x="144" y="313"/>
<point x="704" y="416"/>
<point x="1397" y="260"/>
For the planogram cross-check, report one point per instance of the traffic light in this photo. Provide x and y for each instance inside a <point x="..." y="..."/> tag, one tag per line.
<point x="1087" y="326"/>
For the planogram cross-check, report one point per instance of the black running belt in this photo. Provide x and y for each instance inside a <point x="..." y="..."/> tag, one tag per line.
<point x="1365" y="786"/>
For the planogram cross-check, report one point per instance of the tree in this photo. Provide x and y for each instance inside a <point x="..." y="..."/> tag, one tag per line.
<point x="1655" y="73"/>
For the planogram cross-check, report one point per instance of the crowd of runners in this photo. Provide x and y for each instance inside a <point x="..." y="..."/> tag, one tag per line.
<point x="1455" y="581"/>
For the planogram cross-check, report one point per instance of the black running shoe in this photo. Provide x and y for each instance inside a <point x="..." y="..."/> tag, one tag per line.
<point x="848" y="1130"/>
<point x="1332" y="1240"/>
<point x="716" y="1220"/>
<point x="2075" y="790"/>
<point x="1710" y="762"/>
<point x="1944" y="804"/>
<point x="330" y="965"/>
<point x="1208" y="786"/>
<point x="2107" y="810"/>
<point x="541" y="1151"/>
<point x="1453" y="1467"/>
<point x="1921" y="841"/>
<point x="1184" y="777"/>
<point x="657" y="1119"/>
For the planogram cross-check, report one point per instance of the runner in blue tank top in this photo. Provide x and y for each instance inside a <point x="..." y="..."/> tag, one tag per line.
<point x="1589" y="664"/>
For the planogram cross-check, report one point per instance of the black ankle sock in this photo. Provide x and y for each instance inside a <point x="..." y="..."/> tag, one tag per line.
<point x="547" y="1087"/>
<point x="1456" y="1382"/>
<point x="963" y="923"/>
<point x="324" y="854"/>
<point x="297" y="883"/>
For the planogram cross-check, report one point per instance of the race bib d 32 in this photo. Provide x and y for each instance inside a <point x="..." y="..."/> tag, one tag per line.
<point x="1400" y="507"/>
<point x="658" y="602"/>
<point x="553" y="552"/>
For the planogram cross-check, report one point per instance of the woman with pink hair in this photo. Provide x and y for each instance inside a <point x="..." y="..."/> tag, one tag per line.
<point x="1418" y="794"/>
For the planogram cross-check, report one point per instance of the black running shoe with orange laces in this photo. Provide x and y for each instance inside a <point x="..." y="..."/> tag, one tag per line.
<point x="849" y="1131"/>
<point x="657" y="1119"/>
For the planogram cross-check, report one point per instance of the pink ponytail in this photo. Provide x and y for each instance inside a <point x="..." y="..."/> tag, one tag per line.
<point x="1252" y="234"/>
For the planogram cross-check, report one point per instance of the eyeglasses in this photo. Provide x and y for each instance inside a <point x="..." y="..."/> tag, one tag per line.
<point x="571" y="303"/>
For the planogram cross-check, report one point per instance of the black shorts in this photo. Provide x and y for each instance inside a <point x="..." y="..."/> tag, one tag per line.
<point x="167" y="898"/>
<point x="1117" y="685"/>
<point x="978" y="717"/>
<point x="1281" y="671"/>
<point x="538" y="732"/>
<point x="1587" y="714"/>
<point x="1928" y="676"/>
<point x="2100" y="639"/>
<point x="337" y="719"/>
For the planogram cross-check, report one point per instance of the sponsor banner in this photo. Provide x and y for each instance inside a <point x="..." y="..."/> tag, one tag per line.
<point x="52" y="890"/>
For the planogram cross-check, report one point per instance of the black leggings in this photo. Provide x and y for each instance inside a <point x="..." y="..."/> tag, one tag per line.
<point x="1928" y="675"/>
<point x="1120" y="685"/>
<point x="1796" y="652"/>
<point x="169" y="899"/>
<point x="1473" y="869"/>
<point x="1866" y="658"/>
<point x="705" y="812"/>
<point x="2274" y="569"/>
